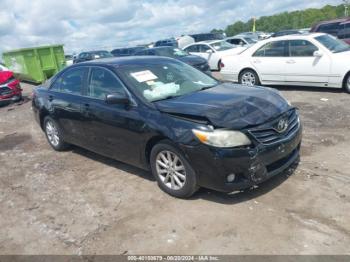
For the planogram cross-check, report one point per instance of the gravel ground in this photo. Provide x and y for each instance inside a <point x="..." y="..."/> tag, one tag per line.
<point x="77" y="202"/>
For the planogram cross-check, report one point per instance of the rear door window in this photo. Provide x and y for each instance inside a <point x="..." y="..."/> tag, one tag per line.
<point x="299" y="48"/>
<point x="272" y="49"/>
<point x="71" y="81"/>
<point x="103" y="82"/>
<point x="344" y="31"/>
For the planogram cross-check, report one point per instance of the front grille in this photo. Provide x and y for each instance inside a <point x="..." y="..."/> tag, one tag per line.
<point x="269" y="134"/>
<point x="4" y="90"/>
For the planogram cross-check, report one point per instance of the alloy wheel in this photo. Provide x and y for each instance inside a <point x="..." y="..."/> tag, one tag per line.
<point x="248" y="79"/>
<point x="52" y="133"/>
<point x="170" y="170"/>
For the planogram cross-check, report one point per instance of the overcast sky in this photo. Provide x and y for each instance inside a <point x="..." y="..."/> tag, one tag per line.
<point x="92" y="24"/>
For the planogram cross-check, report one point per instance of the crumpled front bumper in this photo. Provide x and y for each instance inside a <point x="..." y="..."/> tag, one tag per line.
<point x="250" y="165"/>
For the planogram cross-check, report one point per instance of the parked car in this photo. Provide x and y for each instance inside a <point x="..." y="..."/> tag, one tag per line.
<point x="91" y="55"/>
<point x="161" y="114"/>
<point x="241" y="40"/>
<point x="166" y="42"/>
<point x="128" y="51"/>
<point x="303" y="60"/>
<point x="339" y="28"/>
<point x="286" y="32"/>
<point x="195" y="61"/>
<point x="213" y="51"/>
<point x="10" y="88"/>
<point x="207" y="37"/>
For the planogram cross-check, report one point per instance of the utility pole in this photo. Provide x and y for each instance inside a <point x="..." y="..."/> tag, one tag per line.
<point x="346" y="7"/>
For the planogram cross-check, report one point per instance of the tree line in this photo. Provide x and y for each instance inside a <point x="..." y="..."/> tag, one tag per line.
<point x="286" y="20"/>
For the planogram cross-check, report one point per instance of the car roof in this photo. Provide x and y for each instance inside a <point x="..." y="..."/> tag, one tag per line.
<point x="338" y="20"/>
<point x="292" y="37"/>
<point x="288" y="30"/>
<point x="128" y="60"/>
<point x="297" y="36"/>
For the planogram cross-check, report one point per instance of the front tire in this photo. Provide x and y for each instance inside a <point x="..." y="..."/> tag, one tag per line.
<point x="172" y="171"/>
<point x="54" y="134"/>
<point x="347" y="83"/>
<point x="249" y="78"/>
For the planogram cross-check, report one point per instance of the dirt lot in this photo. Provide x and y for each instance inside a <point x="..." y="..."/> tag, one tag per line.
<point x="77" y="202"/>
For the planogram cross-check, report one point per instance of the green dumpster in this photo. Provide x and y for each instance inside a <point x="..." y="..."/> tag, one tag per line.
<point x="35" y="64"/>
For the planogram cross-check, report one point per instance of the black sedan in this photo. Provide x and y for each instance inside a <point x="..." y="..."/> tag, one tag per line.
<point x="173" y="52"/>
<point x="91" y="55"/>
<point x="161" y="114"/>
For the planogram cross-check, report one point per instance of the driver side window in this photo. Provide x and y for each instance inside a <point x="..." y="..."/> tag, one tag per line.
<point x="103" y="82"/>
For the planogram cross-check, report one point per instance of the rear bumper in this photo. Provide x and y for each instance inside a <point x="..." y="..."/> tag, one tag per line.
<point x="251" y="166"/>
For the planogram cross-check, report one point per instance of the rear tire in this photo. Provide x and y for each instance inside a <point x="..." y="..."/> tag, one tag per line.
<point x="54" y="134"/>
<point x="249" y="77"/>
<point x="346" y="85"/>
<point x="172" y="171"/>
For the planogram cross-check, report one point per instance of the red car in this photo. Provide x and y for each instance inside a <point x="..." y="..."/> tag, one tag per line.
<point x="338" y="27"/>
<point x="10" y="88"/>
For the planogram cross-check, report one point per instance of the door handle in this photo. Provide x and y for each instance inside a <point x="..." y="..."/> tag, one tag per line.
<point x="290" y="62"/>
<point x="50" y="98"/>
<point x="86" y="107"/>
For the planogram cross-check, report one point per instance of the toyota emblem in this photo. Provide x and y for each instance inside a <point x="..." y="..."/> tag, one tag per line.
<point x="282" y="125"/>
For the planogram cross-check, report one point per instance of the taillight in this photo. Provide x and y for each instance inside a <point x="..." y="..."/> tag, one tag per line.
<point x="222" y="64"/>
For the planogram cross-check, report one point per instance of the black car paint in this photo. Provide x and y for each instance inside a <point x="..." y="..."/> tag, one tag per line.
<point x="127" y="133"/>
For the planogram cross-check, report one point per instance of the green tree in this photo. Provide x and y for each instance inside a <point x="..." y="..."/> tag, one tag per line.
<point x="286" y="20"/>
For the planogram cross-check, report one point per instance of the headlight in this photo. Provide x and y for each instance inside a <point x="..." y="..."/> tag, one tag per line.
<point x="222" y="138"/>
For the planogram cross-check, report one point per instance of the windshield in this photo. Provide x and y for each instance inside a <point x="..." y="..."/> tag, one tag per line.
<point x="332" y="44"/>
<point x="172" y="52"/>
<point x="221" y="46"/>
<point x="250" y="40"/>
<point x="158" y="81"/>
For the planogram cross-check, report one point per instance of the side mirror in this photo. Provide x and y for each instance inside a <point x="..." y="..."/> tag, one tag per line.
<point x="318" y="53"/>
<point x="117" y="98"/>
<point x="241" y="43"/>
<point x="209" y="51"/>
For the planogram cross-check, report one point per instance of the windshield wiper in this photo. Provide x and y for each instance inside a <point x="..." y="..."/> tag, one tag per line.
<point x="207" y="87"/>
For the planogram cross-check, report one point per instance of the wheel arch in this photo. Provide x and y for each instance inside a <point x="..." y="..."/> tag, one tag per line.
<point x="150" y="144"/>
<point x="43" y="113"/>
<point x="344" y="79"/>
<point x="248" y="68"/>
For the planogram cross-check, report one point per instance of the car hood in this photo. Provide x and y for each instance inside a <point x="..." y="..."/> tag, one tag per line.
<point x="192" y="59"/>
<point x="228" y="105"/>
